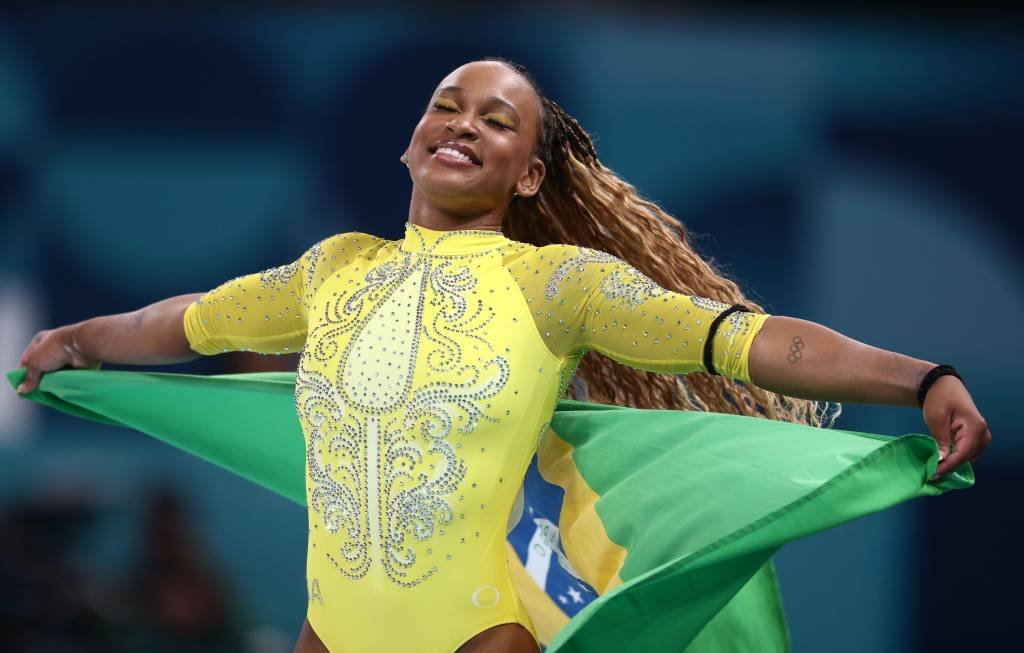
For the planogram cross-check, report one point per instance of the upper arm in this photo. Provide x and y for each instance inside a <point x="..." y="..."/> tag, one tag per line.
<point x="628" y="317"/>
<point x="264" y="312"/>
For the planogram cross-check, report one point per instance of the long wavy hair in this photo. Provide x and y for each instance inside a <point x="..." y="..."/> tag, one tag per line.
<point x="581" y="202"/>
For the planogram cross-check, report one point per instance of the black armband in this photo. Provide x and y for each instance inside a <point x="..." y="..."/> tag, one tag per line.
<point x="709" y="364"/>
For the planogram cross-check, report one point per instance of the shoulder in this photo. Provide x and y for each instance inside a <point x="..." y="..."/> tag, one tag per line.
<point x="575" y="262"/>
<point x="336" y="252"/>
<point x="341" y="249"/>
<point x="560" y="271"/>
<point x="349" y="243"/>
<point x="558" y="254"/>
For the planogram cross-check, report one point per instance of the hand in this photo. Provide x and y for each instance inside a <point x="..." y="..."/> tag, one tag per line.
<point x="951" y="416"/>
<point x="50" y="350"/>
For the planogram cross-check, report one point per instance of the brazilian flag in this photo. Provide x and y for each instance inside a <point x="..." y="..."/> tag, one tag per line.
<point x="635" y="530"/>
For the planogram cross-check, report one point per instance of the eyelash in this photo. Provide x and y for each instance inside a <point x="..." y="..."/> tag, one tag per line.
<point x="497" y="123"/>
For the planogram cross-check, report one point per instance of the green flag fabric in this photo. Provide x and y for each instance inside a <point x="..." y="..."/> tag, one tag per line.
<point x="661" y="523"/>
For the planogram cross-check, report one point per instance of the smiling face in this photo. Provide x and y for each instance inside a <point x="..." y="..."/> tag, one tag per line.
<point x="485" y="112"/>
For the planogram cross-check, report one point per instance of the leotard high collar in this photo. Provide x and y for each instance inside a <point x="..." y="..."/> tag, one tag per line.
<point x="454" y="242"/>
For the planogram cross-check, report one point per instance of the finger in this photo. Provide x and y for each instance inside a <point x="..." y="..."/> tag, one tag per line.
<point x="30" y="382"/>
<point x="23" y="361"/>
<point x="986" y="439"/>
<point x="31" y="346"/>
<point x="965" y="448"/>
<point x="972" y="435"/>
<point x="940" y="431"/>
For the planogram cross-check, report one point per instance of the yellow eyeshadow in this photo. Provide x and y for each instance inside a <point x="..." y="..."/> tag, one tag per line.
<point x="503" y="120"/>
<point x="499" y="118"/>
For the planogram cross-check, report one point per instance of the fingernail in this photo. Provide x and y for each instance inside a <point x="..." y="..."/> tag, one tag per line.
<point x="935" y="477"/>
<point x="20" y="388"/>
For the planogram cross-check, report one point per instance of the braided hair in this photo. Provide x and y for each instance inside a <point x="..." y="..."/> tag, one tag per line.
<point x="582" y="202"/>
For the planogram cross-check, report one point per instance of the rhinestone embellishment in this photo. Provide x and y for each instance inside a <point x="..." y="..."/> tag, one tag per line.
<point x="394" y="470"/>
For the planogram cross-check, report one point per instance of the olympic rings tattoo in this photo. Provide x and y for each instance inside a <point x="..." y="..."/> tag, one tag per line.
<point x="796" y="350"/>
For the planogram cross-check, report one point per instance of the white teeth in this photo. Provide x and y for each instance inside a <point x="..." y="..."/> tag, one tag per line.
<point x="452" y="152"/>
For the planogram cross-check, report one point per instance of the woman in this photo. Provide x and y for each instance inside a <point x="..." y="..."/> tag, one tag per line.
<point x="430" y="365"/>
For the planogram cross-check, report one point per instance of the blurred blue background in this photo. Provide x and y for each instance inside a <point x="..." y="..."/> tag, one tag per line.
<point x="856" y="170"/>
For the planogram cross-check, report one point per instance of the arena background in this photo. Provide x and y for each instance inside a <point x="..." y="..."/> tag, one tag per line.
<point x="856" y="169"/>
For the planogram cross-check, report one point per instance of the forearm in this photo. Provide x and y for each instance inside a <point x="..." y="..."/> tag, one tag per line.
<point x="804" y="359"/>
<point x="154" y="334"/>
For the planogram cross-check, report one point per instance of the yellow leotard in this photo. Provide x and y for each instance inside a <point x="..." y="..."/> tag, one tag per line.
<point x="429" y="369"/>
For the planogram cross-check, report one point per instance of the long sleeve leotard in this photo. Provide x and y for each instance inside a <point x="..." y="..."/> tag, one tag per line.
<point x="429" y="368"/>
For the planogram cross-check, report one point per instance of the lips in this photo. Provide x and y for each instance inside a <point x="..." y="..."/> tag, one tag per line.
<point x="458" y="147"/>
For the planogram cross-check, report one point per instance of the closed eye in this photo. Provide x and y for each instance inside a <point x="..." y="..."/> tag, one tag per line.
<point x="499" y="122"/>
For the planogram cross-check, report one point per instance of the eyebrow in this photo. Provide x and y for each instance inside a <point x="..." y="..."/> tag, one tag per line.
<point x="493" y="98"/>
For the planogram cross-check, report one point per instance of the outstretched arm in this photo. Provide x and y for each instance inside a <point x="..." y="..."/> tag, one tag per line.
<point x="804" y="359"/>
<point x="151" y="335"/>
<point x="625" y="315"/>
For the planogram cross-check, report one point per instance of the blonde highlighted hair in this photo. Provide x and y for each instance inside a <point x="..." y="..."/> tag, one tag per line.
<point x="581" y="202"/>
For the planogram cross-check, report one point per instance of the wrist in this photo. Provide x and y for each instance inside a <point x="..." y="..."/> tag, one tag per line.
<point x="76" y="340"/>
<point x="913" y="374"/>
<point x="936" y="375"/>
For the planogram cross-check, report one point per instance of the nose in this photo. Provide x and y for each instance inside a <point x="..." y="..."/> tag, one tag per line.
<point x="462" y="125"/>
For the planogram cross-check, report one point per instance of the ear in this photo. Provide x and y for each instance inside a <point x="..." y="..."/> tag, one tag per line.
<point x="529" y="184"/>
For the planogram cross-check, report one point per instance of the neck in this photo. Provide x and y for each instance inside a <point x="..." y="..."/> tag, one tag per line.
<point x="425" y="213"/>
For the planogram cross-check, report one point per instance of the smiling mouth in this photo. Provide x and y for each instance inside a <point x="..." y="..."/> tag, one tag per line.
<point x="453" y="157"/>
